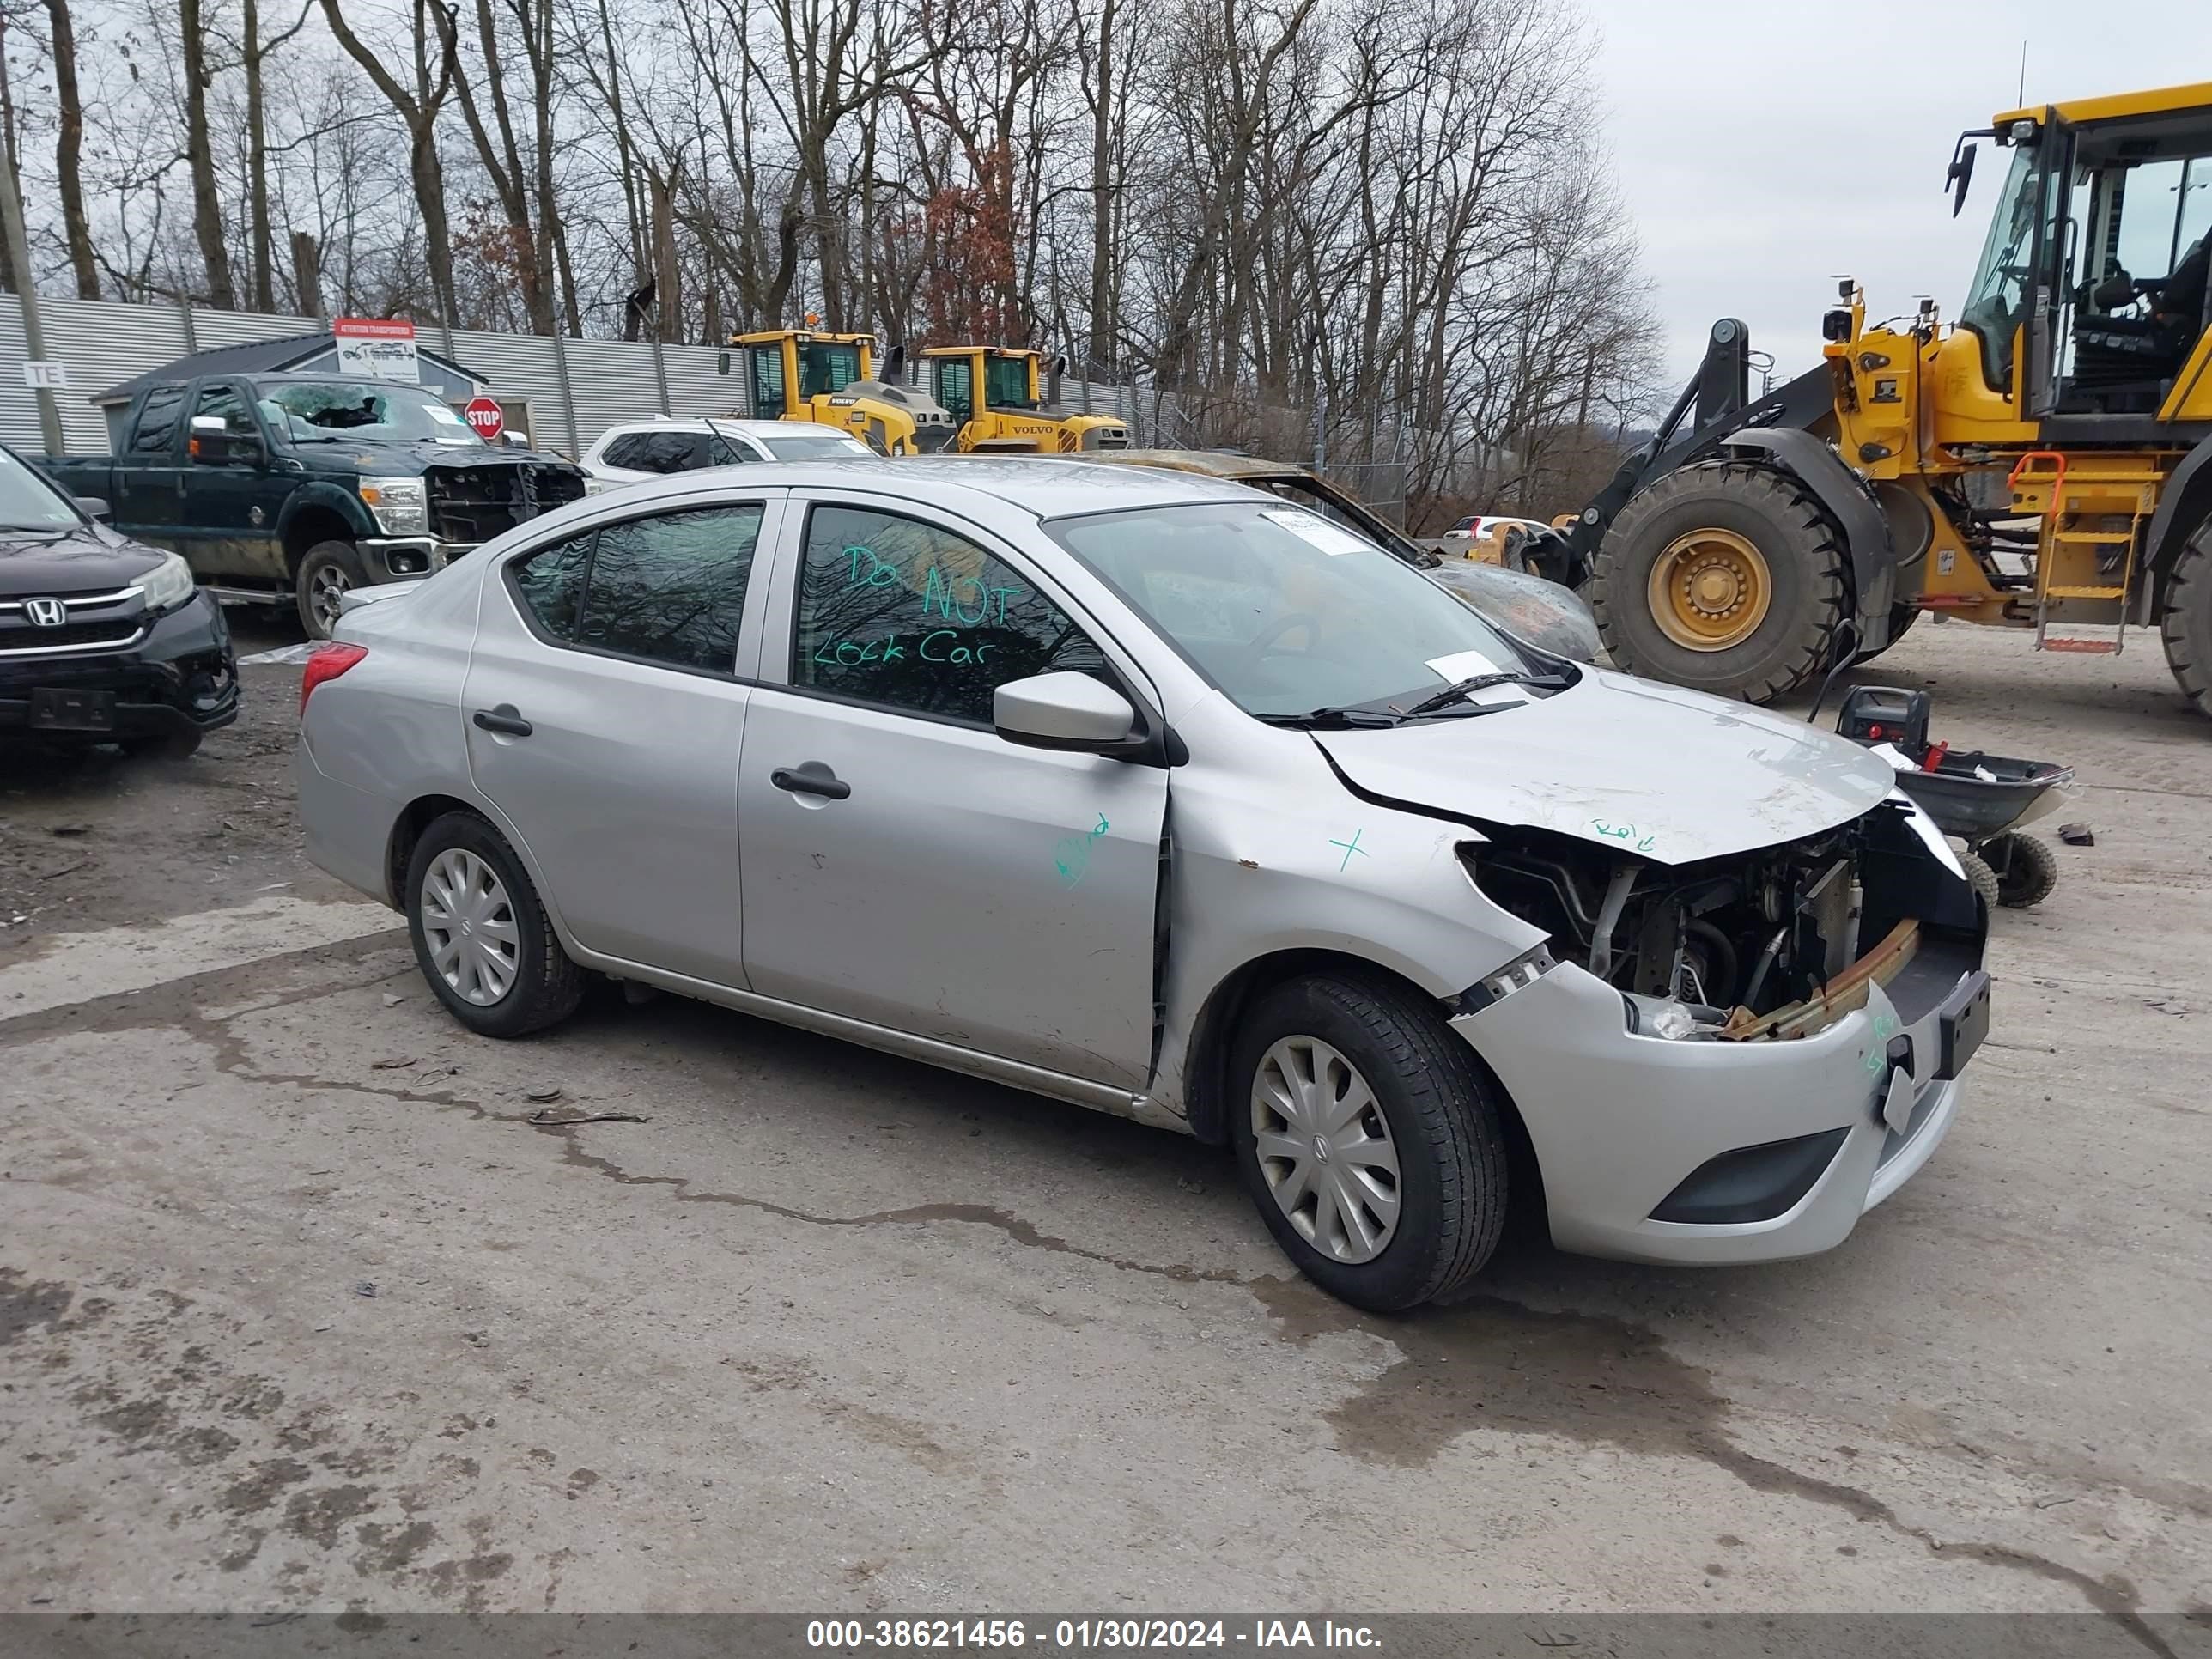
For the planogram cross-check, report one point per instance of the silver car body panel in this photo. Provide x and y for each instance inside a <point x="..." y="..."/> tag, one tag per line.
<point x="1718" y="777"/>
<point x="1617" y="1120"/>
<point x="935" y="918"/>
<point x="619" y="743"/>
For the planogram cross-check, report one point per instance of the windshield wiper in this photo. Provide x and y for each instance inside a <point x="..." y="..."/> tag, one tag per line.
<point x="1458" y="690"/>
<point x="1330" y="717"/>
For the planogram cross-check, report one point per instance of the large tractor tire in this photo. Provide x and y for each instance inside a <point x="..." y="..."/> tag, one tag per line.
<point x="1726" y="579"/>
<point x="2186" y="625"/>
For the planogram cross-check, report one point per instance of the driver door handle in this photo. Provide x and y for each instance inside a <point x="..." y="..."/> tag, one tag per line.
<point x="810" y="778"/>
<point x="506" y="718"/>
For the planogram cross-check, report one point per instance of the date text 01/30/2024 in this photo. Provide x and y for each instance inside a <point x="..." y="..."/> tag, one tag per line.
<point x="1085" y="1634"/>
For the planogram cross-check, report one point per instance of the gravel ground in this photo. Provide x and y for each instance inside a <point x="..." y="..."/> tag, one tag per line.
<point x="299" y="1309"/>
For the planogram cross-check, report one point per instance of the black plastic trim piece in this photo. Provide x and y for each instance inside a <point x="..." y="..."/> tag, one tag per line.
<point x="1751" y="1183"/>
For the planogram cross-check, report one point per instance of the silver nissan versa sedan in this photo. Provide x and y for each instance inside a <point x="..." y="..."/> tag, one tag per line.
<point x="1156" y="794"/>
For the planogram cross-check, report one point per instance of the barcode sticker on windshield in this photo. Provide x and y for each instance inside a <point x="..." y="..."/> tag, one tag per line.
<point x="1311" y="527"/>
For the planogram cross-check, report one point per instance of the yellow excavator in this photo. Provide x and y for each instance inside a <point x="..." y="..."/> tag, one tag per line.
<point x="829" y="379"/>
<point x="993" y="392"/>
<point x="2045" y="462"/>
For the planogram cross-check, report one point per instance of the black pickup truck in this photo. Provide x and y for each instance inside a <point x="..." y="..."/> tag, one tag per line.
<point x="298" y="487"/>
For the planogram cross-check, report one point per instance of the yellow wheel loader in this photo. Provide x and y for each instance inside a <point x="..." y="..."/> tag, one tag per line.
<point x="2045" y="462"/>
<point x="803" y="374"/>
<point x="993" y="392"/>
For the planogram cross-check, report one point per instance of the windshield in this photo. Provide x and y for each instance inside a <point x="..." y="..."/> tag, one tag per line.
<point x="1287" y="612"/>
<point x="812" y="445"/>
<point x="360" y="411"/>
<point x="1998" y="300"/>
<point x="29" y="502"/>
<point x="1006" y="383"/>
<point x="826" y="368"/>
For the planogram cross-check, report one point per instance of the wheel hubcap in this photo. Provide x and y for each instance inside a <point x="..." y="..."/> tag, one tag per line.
<point x="324" y="591"/>
<point x="1324" y="1149"/>
<point x="469" y="924"/>
<point x="1710" y="589"/>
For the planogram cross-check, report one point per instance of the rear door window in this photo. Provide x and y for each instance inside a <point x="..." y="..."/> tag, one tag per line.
<point x="913" y="616"/>
<point x="669" y="589"/>
<point x="550" y="585"/>
<point x="156" y="430"/>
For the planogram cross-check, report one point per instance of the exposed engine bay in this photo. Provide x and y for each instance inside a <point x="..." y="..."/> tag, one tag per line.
<point x="1745" y="941"/>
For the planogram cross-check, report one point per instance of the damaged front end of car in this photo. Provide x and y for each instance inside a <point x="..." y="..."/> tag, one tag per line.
<point x="1729" y="1059"/>
<point x="1776" y="942"/>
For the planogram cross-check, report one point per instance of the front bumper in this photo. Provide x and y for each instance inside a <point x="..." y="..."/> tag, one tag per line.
<point x="179" y="675"/>
<point x="1620" y="1122"/>
<point x="409" y="558"/>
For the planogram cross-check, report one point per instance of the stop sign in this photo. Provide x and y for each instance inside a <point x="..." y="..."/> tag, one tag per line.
<point x="485" y="417"/>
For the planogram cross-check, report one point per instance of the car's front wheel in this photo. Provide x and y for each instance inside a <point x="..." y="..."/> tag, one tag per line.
<point x="1369" y="1140"/>
<point x="482" y="938"/>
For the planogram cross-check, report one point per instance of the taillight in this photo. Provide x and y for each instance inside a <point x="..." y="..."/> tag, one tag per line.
<point x="327" y="662"/>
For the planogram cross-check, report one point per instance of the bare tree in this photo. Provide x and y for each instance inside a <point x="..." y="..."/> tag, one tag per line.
<point x="199" y="157"/>
<point x="69" y="150"/>
<point x="417" y="107"/>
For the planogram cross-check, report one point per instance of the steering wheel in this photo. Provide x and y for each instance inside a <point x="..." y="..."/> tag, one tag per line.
<point x="1268" y="635"/>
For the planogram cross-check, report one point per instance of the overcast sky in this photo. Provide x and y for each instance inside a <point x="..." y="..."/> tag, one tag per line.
<point x="1766" y="148"/>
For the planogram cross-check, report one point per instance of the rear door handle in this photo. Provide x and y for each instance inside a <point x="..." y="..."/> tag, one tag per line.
<point x="506" y="718"/>
<point x="810" y="778"/>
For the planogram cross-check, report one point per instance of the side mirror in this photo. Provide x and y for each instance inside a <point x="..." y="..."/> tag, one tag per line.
<point x="212" y="444"/>
<point x="1062" y="711"/>
<point x="1961" y="175"/>
<point x="93" y="506"/>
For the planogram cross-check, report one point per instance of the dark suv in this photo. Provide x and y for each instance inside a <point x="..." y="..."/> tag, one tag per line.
<point x="102" y="639"/>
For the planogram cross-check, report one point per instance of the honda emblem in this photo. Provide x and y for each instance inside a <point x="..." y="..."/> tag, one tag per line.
<point x="46" y="613"/>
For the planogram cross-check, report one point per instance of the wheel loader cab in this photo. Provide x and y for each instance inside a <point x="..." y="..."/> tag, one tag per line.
<point x="785" y="370"/>
<point x="1007" y="379"/>
<point x="2090" y="297"/>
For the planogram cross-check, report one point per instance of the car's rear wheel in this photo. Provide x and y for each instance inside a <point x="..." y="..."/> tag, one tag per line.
<point x="1368" y="1140"/>
<point x="482" y="938"/>
<point x="328" y="571"/>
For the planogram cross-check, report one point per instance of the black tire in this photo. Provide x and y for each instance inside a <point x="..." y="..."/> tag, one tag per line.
<point x="1443" y="1123"/>
<point x="2186" y="622"/>
<point x="162" y="745"/>
<point x="1805" y="562"/>
<point x="1982" y="879"/>
<point x="2026" y="869"/>
<point x="326" y="569"/>
<point x="546" y="986"/>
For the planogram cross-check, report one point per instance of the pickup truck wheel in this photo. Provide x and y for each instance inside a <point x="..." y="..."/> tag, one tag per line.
<point x="327" y="570"/>
<point x="1368" y="1139"/>
<point x="482" y="938"/>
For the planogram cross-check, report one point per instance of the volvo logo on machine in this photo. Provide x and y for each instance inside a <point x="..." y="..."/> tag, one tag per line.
<point x="46" y="613"/>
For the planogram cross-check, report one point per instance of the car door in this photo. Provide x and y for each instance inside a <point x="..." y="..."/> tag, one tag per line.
<point x="150" y="483"/>
<point x="230" y="515"/>
<point x="604" y="711"/>
<point x="903" y="863"/>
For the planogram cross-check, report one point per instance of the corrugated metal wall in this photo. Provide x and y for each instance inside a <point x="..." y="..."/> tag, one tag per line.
<point x="105" y="344"/>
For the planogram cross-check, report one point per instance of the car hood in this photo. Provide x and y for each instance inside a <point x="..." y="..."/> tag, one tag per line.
<point x="406" y="459"/>
<point x="1670" y="774"/>
<point x="69" y="561"/>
